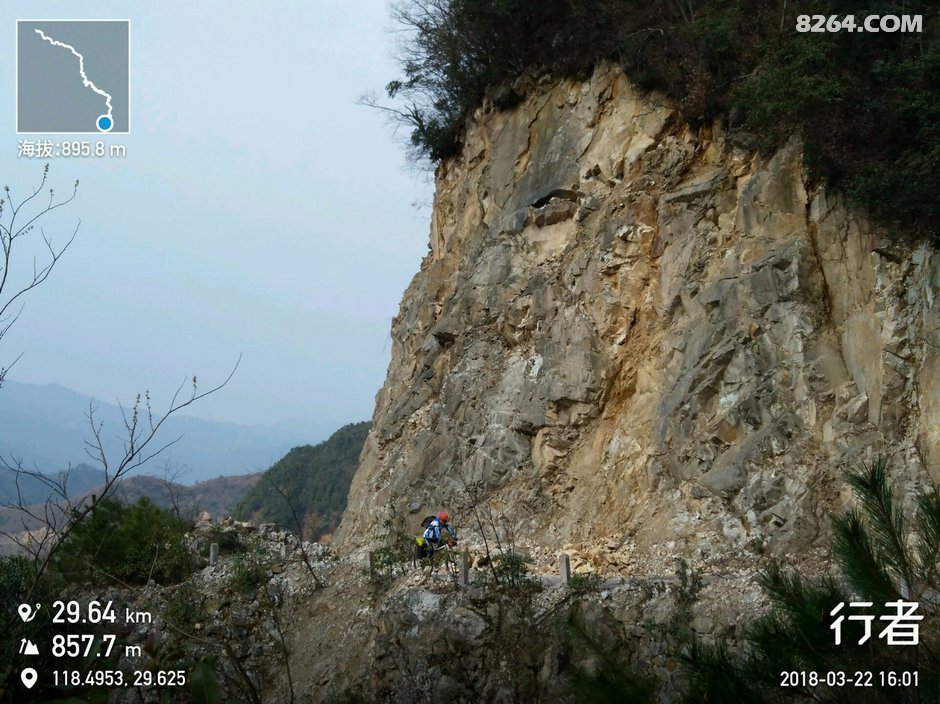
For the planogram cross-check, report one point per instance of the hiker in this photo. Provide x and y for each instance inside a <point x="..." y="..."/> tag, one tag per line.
<point x="434" y="527"/>
<point x="430" y="540"/>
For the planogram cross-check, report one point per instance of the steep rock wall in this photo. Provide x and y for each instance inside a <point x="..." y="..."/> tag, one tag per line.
<point x="631" y="332"/>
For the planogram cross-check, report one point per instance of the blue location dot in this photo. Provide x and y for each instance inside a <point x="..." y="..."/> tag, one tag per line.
<point x="104" y="123"/>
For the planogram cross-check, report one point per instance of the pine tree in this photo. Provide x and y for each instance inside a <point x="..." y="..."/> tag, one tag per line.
<point x="884" y="555"/>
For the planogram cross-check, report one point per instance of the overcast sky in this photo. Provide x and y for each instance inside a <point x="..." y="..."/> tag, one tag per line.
<point x="259" y="211"/>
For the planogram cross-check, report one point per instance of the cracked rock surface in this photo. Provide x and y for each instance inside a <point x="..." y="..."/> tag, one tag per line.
<point x="627" y="329"/>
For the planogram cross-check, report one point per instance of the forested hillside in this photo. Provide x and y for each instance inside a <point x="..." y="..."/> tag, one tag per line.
<point x="308" y="486"/>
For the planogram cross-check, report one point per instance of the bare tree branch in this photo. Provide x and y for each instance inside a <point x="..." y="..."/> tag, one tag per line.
<point x="17" y="222"/>
<point x="61" y="513"/>
<point x="298" y="523"/>
<point x="170" y="483"/>
<point x="13" y="230"/>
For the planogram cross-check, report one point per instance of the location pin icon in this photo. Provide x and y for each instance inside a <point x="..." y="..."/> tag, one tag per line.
<point x="24" y="611"/>
<point x="29" y="677"/>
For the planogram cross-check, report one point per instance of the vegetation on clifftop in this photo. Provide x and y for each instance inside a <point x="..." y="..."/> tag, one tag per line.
<point x="867" y="104"/>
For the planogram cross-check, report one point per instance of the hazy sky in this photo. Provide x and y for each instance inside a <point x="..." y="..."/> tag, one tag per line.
<point x="259" y="211"/>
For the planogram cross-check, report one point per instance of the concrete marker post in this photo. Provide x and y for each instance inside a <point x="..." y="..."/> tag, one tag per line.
<point x="564" y="568"/>
<point x="465" y="569"/>
<point x="213" y="554"/>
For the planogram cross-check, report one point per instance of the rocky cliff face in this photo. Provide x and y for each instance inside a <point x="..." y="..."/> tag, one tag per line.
<point x="635" y="333"/>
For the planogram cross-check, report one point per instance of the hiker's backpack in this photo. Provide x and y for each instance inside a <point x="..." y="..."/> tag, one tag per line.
<point x="422" y="550"/>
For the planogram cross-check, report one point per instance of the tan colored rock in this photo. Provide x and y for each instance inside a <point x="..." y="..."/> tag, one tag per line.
<point x="628" y="327"/>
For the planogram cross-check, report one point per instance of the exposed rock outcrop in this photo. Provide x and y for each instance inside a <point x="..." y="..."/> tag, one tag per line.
<point x="628" y="330"/>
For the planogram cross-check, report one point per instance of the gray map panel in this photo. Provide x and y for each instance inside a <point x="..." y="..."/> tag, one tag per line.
<point x="50" y="94"/>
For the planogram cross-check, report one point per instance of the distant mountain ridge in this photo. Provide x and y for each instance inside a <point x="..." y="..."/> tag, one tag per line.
<point x="219" y="496"/>
<point x="30" y="489"/>
<point x="45" y="426"/>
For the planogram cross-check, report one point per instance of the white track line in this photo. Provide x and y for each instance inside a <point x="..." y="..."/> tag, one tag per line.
<point x="81" y="69"/>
